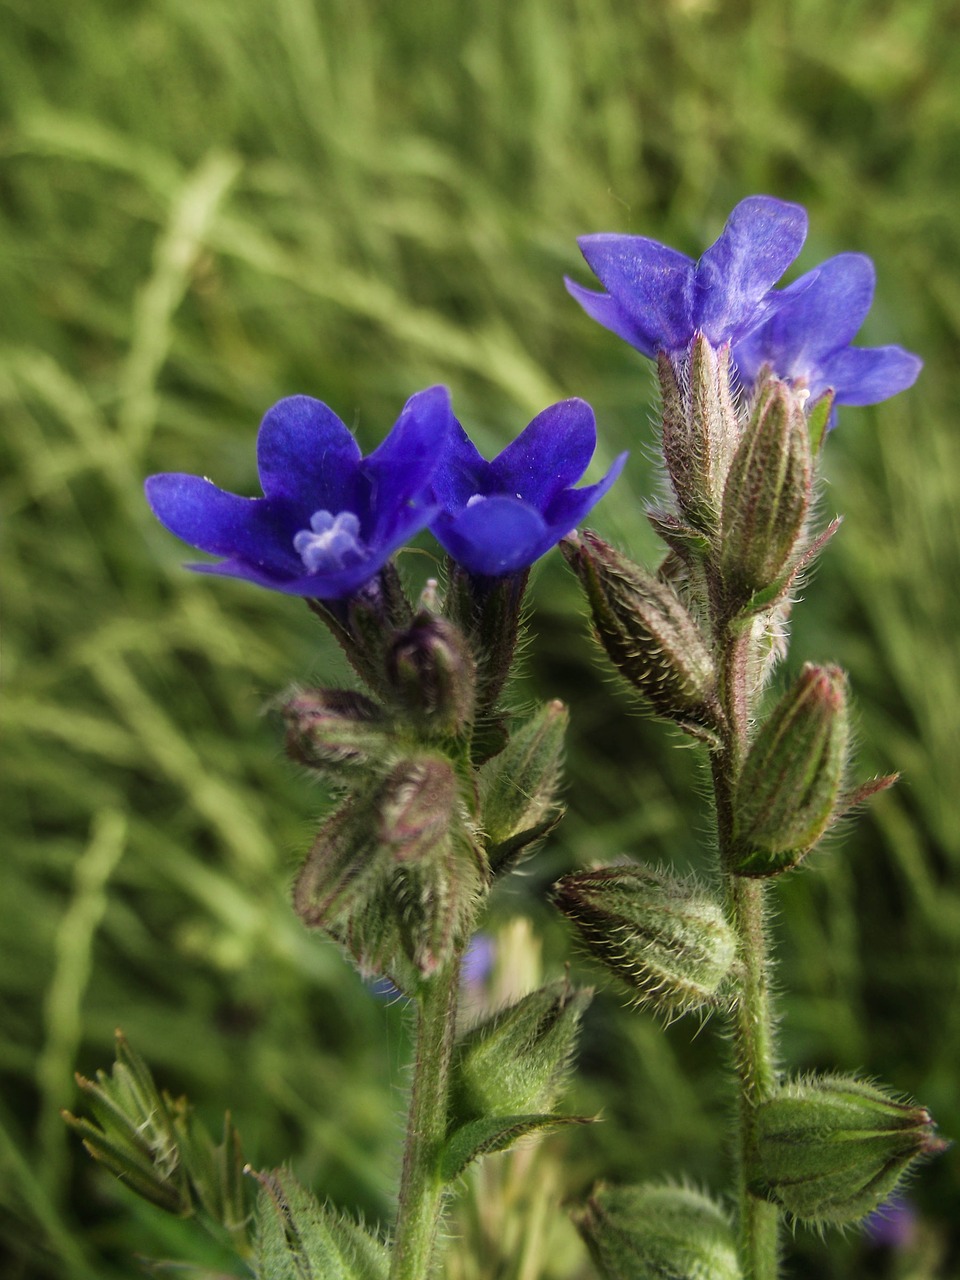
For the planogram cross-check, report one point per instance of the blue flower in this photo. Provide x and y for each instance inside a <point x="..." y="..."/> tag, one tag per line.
<point x="807" y="337"/>
<point x="329" y="518"/>
<point x="658" y="298"/>
<point x="498" y="517"/>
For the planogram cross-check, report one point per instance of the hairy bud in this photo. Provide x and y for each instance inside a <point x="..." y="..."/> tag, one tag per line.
<point x="700" y="430"/>
<point x="432" y="673"/>
<point x="334" y="729"/>
<point x="767" y="494"/>
<point x="655" y="1232"/>
<point x="665" y="938"/>
<point x="788" y="790"/>
<point x="518" y="788"/>
<point x="647" y="632"/>
<point x="832" y="1150"/>
<point x="395" y="873"/>
<point x="515" y="1061"/>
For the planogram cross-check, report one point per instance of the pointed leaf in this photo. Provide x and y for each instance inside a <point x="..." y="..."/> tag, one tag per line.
<point x="494" y="1133"/>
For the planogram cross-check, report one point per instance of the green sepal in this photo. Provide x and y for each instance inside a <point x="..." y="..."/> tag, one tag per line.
<point x="767" y="494"/>
<point x="647" y="631"/>
<point x="653" y="1232"/>
<point x="665" y="938"/>
<point x="518" y="788"/>
<point x="158" y="1147"/>
<point x="335" y="731"/>
<point x="790" y="785"/>
<point x="396" y="872"/>
<point x="491" y="1134"/>
<point x="832" y="1149"/>
<point x="818" y="419"/>
<point x="433" y="677"/>
<point x="700" y="430"/>
<point x="299" y="1239"/>
<point x="516" y="1060"/>
<point x="488" y="611"/>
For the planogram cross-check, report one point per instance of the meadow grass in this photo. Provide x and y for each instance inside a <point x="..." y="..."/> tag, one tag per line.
<point x="209" y="206"/>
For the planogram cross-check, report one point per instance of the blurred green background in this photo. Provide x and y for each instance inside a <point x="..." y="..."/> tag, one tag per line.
<point x="208" y="205"/>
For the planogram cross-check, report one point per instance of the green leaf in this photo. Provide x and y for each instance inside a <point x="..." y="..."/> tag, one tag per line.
<point x="494" y="1133"/>
<point x="300" y="1239"/>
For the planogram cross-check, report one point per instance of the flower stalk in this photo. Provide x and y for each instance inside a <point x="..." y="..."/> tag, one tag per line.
<point x="422" y="1188"/>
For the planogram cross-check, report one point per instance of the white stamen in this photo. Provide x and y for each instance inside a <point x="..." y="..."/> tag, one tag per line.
<point x="332" y="542"/>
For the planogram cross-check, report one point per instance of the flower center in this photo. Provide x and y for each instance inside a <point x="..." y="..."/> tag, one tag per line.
<point x="331" y="543"/>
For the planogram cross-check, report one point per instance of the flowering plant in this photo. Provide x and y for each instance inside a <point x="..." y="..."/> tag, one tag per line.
<point x="440" y="790"/>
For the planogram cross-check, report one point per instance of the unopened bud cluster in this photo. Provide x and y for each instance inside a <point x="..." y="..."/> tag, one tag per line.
<point x="435" y="804"/>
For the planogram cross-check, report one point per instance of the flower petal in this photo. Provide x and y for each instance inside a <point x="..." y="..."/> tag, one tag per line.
<point x="570" y="507"/>
<point x="307" y="455"/>
<point x="602" y="308"/>
<point x="549" y="455"/>
<point x="493" y="537"/>
<point x="762" y="237"/>
<point x="314" y="586"/>
<point x="399" y="472"/>
<point x="818" y="314"/>
<point x="462" y="472"/>
<point x="867" y="375"/>
<point x="652" y="284"/>
<point x="259" y="530"/>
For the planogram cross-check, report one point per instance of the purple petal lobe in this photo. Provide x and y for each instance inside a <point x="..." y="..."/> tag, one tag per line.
<point x="602" y="308"/>
<point x="652" y="284"/>
<point x="462" y="472"/>
<point x="493" y="536"/>
<point x="867" y="375"/>
<point x="306" y="454"/>
<point x="762" y="237"/>
<point x="222" y="523"/>
<point x="819" y="313"/>
<point x="570" y="507"/>
<point x="549" y="455"/>
<point x="400" y="470"/>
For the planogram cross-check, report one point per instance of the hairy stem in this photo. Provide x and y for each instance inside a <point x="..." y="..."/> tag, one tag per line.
<point x="754" y="1049"/>
<point x="421" y="1188"/>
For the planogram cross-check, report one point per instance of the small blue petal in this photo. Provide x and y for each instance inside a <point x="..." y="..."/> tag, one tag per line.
<point x="602" y="308"/>
<point x="306" y="454"/>
<point x="868" y="375"/>
<point x="760" y="240"/>
<point x="652" y="285"/>
<point x="493" y="537"/>
<point x="550" y="454"/>
<point x="224" y="524"/>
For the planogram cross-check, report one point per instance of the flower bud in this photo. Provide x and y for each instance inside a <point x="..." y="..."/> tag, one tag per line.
<point x="334" y="729"/>
<point x="395" y="873"/>
<point x="832" y="1149"/>
<point x="767" y="494"/>
<point x="432" y="673"/>
<point x="518" y="788"/>
<point x="645" y="629"/>
<point x="515" y="1062"/>
<point x="665" y="938"/>
<point x="700" y="430"/>
<point x="654" y="1232"/>
<point x="789" y="787"/>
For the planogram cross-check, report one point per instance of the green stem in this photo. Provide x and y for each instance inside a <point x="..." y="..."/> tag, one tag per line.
<point x="753" y="1035"/>
<point x="421" y="1188"/>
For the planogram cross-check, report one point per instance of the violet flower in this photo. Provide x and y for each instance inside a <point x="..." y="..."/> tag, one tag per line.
<point x="329" y="518"/>
<point x="498" y="517"/>
<point x="807" y="338"/>
<point x="657" y="298"/>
